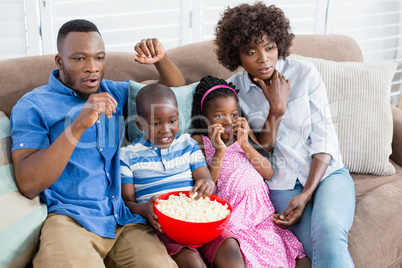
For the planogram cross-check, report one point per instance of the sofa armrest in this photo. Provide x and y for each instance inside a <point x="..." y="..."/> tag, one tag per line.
<point x="397" y="138"/>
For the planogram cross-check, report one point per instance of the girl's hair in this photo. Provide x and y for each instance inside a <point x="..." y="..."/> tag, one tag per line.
<point x="238" y="25"/>
<point x="199" y="121"/>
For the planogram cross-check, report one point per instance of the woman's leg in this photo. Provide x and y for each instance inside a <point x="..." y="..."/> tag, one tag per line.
<point x="280" y="199"/>
<point x="332" y="217"/>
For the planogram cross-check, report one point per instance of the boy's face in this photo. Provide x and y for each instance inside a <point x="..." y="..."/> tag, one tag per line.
<point x="160" y="123"/>
<point x="81" y="61"/>
<point x="260" y="60"/>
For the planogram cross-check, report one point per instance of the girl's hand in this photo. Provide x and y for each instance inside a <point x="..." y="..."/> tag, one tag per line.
<point x="242" y="129"/>
<point x="149" y="51"/>
<point x="214" y="134"/>
<point x="276" y="91"/>
<point x="149" y="213"/>
<point x="293" y="213"/>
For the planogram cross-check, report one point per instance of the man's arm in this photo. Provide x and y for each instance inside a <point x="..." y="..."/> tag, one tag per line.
<point x="35" y="170"/>
<point x="151" y="51"/>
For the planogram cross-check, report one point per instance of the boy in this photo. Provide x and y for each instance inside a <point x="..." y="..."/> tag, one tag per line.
<point x="162" y="161"/>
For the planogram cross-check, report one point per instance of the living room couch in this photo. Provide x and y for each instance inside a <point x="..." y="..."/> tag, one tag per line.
<point x="375" y="239"/>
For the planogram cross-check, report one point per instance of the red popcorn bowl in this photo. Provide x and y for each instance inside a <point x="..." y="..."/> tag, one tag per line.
<point x="192" y="234"/>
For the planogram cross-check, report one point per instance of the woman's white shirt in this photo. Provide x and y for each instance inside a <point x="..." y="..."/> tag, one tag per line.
<point x="306" y="128"/>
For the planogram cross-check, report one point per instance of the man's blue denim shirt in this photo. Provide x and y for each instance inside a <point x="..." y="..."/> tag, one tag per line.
<point x="89" y="189"/>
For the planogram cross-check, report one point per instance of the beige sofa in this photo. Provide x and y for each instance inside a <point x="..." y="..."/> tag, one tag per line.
<point x="375" y="239"/>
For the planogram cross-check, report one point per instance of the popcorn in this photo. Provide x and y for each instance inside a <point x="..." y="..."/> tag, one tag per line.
<point x="185" y="208"/>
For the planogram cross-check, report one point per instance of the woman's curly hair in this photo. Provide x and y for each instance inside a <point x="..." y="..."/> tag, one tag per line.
<point x="240" y="24"/>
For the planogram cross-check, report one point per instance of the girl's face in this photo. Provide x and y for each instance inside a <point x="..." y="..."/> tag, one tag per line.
<point x="223" y="111"/>
<point x="260" y="60"/>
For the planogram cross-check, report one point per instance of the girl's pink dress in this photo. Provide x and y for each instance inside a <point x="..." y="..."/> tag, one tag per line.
<point x="263" y="243"/>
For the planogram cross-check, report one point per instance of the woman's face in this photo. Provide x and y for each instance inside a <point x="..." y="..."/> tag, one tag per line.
<point x="259" y="60"/>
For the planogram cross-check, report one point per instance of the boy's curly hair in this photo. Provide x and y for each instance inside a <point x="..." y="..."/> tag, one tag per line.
<point x="239" y="24"/>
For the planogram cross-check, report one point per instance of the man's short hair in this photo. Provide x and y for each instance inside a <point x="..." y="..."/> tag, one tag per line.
<point x="78" y="25"/>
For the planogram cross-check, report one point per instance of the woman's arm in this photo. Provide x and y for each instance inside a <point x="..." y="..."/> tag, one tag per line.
<point x="297" y="204"/>
<point x="276" y="91"/>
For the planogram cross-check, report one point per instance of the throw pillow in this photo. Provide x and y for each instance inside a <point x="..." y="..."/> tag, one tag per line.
<point x="359" y="98"/>
<point x="21" y="219"/>
<point x="184" y="96"/>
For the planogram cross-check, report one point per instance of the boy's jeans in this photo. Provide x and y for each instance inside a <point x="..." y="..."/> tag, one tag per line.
<point x="326" y="220"/>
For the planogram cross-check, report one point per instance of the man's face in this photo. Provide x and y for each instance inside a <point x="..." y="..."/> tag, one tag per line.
<point x="81" y="61"/>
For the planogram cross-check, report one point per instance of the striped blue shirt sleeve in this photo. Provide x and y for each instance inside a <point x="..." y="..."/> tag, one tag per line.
<point x="197" y="159"/>
<point x="126" y="173"/>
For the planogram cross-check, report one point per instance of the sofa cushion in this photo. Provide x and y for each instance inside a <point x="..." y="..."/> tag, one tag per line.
<point x="359" y="98"/>
<point x="375" y="236"/>
<point x="20" y="218"/>
<point x="184" y="96"/>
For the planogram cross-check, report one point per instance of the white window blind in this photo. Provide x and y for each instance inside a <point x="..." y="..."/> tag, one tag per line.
<point x="376" y="25"/>
<point x="13" y="39"/>
<point x="122" y="23"/>
<point x="29" y="27"/>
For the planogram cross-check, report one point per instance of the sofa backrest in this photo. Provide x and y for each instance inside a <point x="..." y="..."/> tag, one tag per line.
<point x="21" y="75"/>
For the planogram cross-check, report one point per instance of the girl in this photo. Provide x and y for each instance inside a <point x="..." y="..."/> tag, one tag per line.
<point x="239" y="172"/>
<point x="285" y="101"/>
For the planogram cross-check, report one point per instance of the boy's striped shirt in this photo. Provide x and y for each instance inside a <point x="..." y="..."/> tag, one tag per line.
<point x="156" y="171"/>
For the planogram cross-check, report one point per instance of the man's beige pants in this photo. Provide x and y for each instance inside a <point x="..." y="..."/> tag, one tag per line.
<point x="64" y="243"/>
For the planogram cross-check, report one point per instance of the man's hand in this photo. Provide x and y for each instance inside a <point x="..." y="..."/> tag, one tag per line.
<point x="96" y="105"/>
<point x="149" y="51"/>
<point x="276" y="91"/>
<point x="293" y="213"/>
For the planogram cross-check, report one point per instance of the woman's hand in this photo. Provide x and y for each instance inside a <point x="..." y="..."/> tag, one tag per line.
<point x="242" y="129"/>
<point x="149" y="51"/>
<point x="214" y="134"/>
<point x="149" y="213"/>
<point x="276" y="91"/>
<point x="293" y="213"/>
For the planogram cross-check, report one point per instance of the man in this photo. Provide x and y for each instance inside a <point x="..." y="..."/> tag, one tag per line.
<point x="66" y="137"/>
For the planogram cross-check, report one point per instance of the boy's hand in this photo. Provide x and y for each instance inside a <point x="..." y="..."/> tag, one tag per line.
<point x="149" y="51"/>
<point x="203" y="187"/>
<point x="149" y="213"/>
<point x="276" y="91"/>
<point x="241" y="128"/>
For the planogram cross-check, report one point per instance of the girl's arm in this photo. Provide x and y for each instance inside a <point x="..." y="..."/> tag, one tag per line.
<point x="146" y="209"/>
<point x="260" y="163"/>
<point x="297" y="204"/>
<point x="216" y="161"/>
